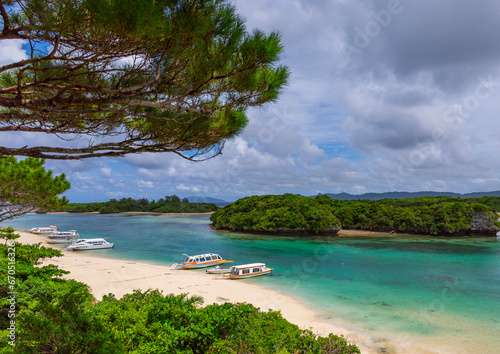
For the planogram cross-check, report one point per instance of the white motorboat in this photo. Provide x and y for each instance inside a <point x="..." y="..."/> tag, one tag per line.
<point x="200" y="261"/>
<point x="218" y="270"/>
<point x="43" y="230"/>
<point x="84" y="244"/>
<point x="247" y="271"/>
<point x="62" y="236"/>
<point x="58" y="240"/>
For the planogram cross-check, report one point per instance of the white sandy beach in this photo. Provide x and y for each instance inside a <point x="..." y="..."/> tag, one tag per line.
<point x="106" y="275"/>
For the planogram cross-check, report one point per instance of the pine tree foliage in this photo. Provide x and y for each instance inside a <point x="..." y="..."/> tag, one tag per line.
<point x="25" y="186"/>
<point x="133" y="76"/>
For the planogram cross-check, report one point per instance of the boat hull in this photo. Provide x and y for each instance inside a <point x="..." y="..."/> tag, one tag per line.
<point x="87" y="248"/>
<point x="218" y="270"/>
<point x="61" y="240"/>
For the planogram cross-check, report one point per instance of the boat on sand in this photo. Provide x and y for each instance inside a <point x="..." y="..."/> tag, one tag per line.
<point x="218" y="270"/>
<point x="247" y="271"/>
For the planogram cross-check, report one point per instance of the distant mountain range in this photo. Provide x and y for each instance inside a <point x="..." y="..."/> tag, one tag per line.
<point x="218" y="202"/>
<point x="367" y="196"/>
<point x="404" y="195"/>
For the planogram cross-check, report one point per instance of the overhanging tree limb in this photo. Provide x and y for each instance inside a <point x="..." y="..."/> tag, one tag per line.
<point x="166" y="76"/>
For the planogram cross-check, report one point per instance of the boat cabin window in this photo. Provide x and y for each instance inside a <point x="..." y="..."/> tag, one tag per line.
<point x="245" y="271"/>
<point x="214" y="257"/>
<point x="255" y="270"/>
<point x="202" y="259"/>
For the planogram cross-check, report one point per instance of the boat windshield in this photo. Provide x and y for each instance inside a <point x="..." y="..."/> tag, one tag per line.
<point x="235" y="271"/>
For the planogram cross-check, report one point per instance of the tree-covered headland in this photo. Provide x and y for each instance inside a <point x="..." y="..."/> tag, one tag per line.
<point x="286" y="214"/>
<point x="169" y="204"/>
<point x="317" y="215"/>
<point x="55" y="315"/>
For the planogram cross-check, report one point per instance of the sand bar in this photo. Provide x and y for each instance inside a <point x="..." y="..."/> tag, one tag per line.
<point x="107" y="275"/>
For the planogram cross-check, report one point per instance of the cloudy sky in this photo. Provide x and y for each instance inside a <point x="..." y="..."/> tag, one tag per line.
<point x="394" y="95"/>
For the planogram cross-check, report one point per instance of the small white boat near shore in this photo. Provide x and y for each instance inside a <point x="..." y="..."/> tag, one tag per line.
<point x="84" y="244"/>
<point x="199" y="261"/>
<point x="218" y="270"/>
<point x="247" y="271"/>
<point x="43" y="230"/>
<point x="62" y="236"/>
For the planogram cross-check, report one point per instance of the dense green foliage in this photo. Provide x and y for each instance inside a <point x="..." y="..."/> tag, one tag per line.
<point x="286" y="213"/>
<point x="172" y="204"/>
<point x="492" y="202"/>
<point x="425" y="215"/>
<point x="53" y="315"/>
<point x="152" y="323"/>
<point x="25" y="186"/>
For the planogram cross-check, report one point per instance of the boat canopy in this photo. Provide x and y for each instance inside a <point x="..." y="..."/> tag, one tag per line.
<point x="202" y="257"/>
<point x="82" y="240"/>
<point x="251" y="265"/>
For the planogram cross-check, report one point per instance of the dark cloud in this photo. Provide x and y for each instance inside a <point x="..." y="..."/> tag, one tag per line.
<point x="454" y="41"/>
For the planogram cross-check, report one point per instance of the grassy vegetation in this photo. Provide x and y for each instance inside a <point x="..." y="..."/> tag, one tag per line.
<point x="169" y="204"/>
<point x="54" y="315"/>
<point x="424" y="215"/>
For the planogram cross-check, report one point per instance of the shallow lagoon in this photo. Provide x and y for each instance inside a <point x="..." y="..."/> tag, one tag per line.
<point x="384" y="285"/>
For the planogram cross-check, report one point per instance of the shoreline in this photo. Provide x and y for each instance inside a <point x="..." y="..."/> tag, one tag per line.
<point x="120" y="276"/>
<point x="131" y="213"/>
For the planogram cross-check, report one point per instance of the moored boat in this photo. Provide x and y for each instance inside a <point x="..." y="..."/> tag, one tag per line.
<point x="201" y="261"/>
<point x="90" y="244"/>
<point x="43" y="230"/>
<point x="62" y="236"/>
<point x="247" y="271"/>
<point x="218" y="270"/>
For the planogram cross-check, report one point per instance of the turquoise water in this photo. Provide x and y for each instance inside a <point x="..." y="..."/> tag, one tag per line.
<point x="405" y="285"/>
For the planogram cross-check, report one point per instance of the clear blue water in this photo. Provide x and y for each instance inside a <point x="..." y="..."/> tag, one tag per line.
<point x="404" y="285"/>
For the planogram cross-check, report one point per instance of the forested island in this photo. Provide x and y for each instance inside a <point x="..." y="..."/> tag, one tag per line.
<point x="169" y="204"/>
<point x="299" y="215"/>
<point x="277" y="214"/>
